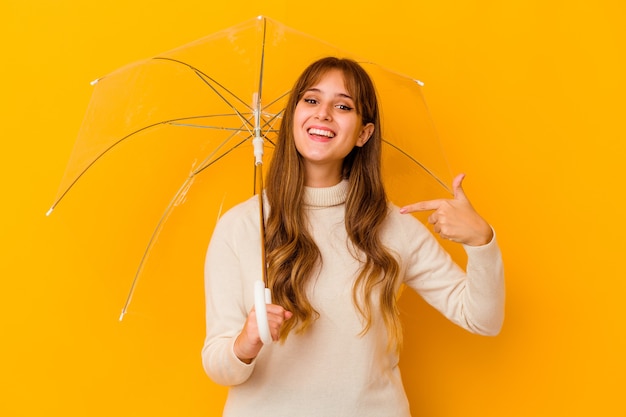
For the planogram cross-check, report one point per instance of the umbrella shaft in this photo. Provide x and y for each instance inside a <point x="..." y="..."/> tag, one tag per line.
<point x="259" y="192"/>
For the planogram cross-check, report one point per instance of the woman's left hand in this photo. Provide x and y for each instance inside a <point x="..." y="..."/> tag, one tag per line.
<point x="455" y="219"/>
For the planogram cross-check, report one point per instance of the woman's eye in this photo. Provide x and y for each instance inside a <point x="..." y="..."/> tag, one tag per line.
<point x="344" y="107"/>
<point x="310" y="100"/>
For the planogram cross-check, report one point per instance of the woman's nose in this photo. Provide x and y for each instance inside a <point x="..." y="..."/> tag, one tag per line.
<point x="323" y="112"/>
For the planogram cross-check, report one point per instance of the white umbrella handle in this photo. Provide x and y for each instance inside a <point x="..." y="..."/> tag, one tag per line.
<point x="262" y="296"/>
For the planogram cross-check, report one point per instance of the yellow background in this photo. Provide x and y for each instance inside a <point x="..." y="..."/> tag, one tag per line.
<point x="528" y="98"/>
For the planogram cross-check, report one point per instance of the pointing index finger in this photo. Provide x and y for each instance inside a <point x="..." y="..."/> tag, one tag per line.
<point x="421" y="206"/>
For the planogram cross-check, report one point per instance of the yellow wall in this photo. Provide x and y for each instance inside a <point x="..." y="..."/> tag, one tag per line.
<point x="528" y="97"/>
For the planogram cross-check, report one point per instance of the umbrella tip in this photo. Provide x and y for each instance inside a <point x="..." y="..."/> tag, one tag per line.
<point x="94" y="82"/>
<point x="49" y="212"/>
<point x="260" y="17"/>
<point x="122" y="315"/>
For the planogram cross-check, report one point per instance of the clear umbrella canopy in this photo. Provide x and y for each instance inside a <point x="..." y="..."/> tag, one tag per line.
<point x="194" y="112"/>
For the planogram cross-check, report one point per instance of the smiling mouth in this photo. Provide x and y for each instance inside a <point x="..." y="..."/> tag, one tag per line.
<point x="321" y="132"/>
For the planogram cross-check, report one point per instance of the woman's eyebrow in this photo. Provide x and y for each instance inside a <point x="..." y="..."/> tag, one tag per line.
<point x="317" y="90"/>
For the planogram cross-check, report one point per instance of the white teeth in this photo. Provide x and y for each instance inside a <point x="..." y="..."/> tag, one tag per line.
<point x="320" y="132"/>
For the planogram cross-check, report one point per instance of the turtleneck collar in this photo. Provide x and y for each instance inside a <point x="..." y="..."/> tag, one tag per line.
<point x="326" y="196"/>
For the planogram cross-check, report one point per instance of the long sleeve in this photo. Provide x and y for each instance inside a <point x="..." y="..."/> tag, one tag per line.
<point x="474" y="298"/>
<point x="228" y="294"/>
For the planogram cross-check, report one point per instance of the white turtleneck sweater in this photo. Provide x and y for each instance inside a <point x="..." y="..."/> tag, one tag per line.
<point x="330" y="370"/>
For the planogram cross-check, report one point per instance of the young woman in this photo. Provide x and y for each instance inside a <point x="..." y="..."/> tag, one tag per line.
<point x="337" y="253"/>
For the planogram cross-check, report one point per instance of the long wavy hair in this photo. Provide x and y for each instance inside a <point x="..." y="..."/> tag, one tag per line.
<point x="292" y="255"/>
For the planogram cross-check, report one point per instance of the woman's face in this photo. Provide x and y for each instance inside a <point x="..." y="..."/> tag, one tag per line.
<point x="326" y="128"/>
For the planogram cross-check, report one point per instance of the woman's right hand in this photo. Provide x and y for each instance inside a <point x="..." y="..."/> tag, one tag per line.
<point x="248" y="344"/>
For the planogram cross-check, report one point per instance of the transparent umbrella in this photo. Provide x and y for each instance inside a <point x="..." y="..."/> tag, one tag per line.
<point x="207" y="114"/>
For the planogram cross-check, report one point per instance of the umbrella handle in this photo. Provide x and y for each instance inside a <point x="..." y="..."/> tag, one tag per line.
<point x="262" y="296"/>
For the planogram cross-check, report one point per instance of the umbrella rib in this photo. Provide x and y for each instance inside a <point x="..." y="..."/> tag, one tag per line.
<point x="214" y="160"/>
<point x="104" y="152"/>
<point x="155" y="234"/>
<point x="241" y="116"/>
<point x="277" y="99"/>
<point x="262" y="64"/>
<point x="235" y="129"/>
<point x="429" y="172"/>
<point x="205" y="77"/>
